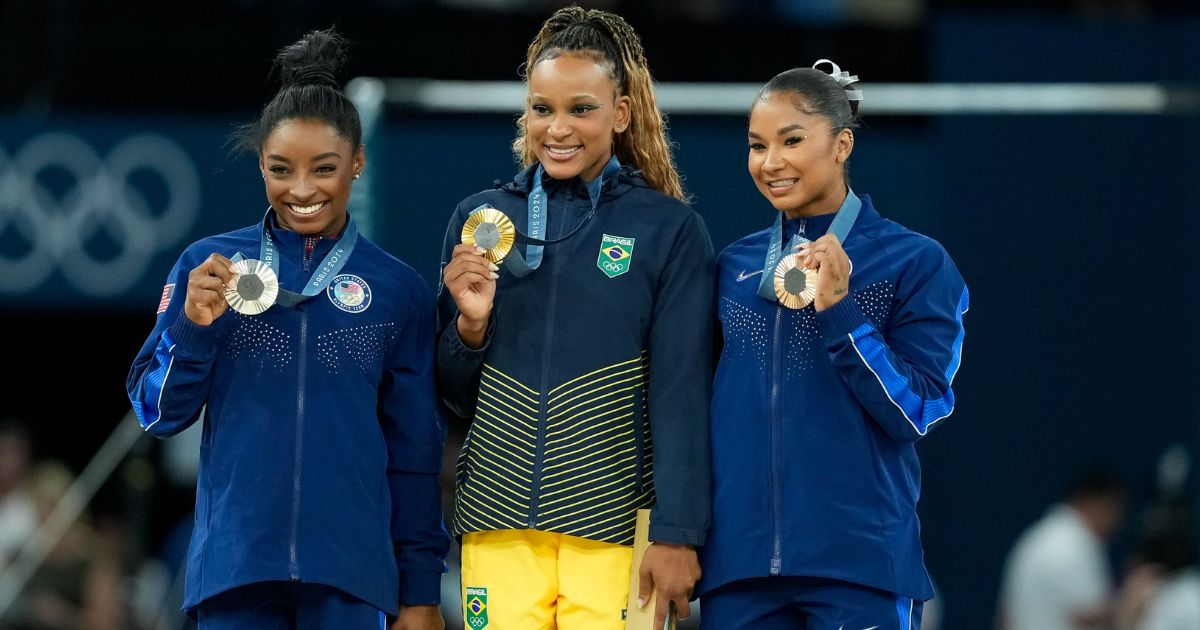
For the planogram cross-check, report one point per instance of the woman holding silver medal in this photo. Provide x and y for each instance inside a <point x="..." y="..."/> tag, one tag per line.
<point x="836" y="360"/>
<point x="576" y="336"/>
<point x="318" y="501"/>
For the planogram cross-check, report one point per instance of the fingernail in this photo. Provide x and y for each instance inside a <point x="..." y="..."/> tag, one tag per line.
<point x="479" y="250"/>
<point x="641" y="602"/>
<point x="493" y="267"/>
<point x="494" y="275"/>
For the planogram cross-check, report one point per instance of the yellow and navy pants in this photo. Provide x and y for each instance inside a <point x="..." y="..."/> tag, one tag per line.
<point x="530" y="580"/>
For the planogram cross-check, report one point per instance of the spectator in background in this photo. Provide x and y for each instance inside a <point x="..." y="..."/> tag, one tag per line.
<point x="1057" y="576"/>
<point x="1162" y="589"/>
<point x="77" y="586"/>
<point x="17" y="515"/>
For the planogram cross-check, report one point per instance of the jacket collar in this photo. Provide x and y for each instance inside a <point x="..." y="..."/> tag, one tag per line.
<point x="288" y="239"/>
<point x="626" y="179"/>
<point x="816" y="227"/>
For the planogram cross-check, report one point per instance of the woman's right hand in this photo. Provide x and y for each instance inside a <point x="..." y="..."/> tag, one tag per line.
<point x="205" y="298"/>
<point x="471" y="280"/>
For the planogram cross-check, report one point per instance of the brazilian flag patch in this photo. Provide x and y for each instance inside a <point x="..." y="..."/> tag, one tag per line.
<point x="616" y="252"/>
<point x="475" y="603"/>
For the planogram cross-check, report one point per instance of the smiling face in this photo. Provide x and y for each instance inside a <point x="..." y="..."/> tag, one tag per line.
<point x="307" y="168"/>
<point x="796" y="160"/>
<point x="573" y="112"/>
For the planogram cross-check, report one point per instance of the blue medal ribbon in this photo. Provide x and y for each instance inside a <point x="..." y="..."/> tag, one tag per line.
<point x="330" y="266"/>
<point x="521" y="266"/>
<point x="846" y="215"/>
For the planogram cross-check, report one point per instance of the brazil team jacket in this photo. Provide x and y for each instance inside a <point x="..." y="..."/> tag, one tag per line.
<point x="815" y="415"/>
<point x="322" y="436"/>
<point x="589" y="397"/>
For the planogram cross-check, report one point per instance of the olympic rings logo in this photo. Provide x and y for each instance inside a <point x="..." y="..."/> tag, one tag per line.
<point x="55" y="224"/>
<point x="612" y="266"/>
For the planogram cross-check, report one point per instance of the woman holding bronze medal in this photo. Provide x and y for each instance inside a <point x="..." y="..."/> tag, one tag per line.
<point x="310" y="351"/>
<point x="836" y="360"/>
<point x="576" y="336"/>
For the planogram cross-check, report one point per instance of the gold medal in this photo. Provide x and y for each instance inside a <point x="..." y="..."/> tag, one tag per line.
<point x="254" y="287"/>
<point x="795" y="286"/>
<point x="492" y="230"/>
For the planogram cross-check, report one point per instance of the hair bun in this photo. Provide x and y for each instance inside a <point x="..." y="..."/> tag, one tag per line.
<point x="844" y="79"/>
<point x="316" y="59"/>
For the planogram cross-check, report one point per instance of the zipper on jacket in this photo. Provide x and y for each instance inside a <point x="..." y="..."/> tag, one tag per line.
<point x="544" y="389"/>
<point x="293" y="561"/>
<point x="775" y="437"/>
<point x="639" y="440"/>
<point x="310" y="244"/>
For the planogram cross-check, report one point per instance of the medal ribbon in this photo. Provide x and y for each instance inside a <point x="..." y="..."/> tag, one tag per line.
<point x="846" y="215"/>
<point x="330" y="266"/>
<point x="521" y="266"/>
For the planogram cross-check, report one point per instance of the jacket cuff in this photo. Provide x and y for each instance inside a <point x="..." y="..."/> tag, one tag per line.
<point x="420" y="588"/>
<point x="676" y="535"/>
<point x="844" y="319"/>
<point x="459" y="349"/>
<point x="191" y="341"/>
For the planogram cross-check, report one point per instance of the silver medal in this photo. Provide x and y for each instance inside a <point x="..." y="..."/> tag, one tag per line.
<point x="254" y="287"/>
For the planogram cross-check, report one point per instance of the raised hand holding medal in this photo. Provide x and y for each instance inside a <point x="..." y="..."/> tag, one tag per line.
<point x="205" y="301"/>
<point x="794" y="279"/>
<point x="832" y="270"/>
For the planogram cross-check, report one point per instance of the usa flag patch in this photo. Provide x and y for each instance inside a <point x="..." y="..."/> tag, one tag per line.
<point x="165" y="300"/>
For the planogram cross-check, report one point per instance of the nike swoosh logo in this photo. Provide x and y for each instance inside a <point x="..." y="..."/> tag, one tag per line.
<point x="742" y="275"/>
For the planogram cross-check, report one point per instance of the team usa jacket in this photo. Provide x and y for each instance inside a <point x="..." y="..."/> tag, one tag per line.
<point x="815" y="415"/>
<point x="322" y="435"/>
<point x="589" y="397"/>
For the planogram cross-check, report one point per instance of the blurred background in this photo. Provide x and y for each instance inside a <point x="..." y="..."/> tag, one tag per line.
<point x="1075" y="230"/>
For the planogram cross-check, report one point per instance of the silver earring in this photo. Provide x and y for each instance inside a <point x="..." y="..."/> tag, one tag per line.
<point x="357" y="175"/>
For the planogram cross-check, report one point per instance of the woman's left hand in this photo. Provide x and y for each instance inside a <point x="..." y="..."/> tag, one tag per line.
<point x="826" y="256"/>
<point x="419" y="618"/>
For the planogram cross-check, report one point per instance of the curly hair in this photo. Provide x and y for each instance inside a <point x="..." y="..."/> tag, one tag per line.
<point x="610" y="41"/>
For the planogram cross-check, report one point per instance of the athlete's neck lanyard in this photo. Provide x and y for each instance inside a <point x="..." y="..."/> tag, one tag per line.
<point x="521" y="266"/>
<point x="842" y="222"/>
<point x="333" y="263"/>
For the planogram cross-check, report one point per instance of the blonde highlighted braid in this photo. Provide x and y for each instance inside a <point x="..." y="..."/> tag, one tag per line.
<point x="611" y="42"/>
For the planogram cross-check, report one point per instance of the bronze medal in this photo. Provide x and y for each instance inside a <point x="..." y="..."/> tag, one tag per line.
<point x="795" y="286"/>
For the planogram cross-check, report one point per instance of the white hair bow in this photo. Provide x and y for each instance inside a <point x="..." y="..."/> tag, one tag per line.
<point x="844" y="79"/>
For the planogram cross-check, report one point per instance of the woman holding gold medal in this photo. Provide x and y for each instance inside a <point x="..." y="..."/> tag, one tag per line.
<point x="317" y="504"/>
<point x="576" y="313"/>
<point x="842" y="333"/>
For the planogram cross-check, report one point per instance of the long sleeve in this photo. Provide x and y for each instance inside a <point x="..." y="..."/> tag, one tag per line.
<point x="170" y="379"/>
<point x="902" y="376"/>
<point x="680" y="384"/>
<point x="458" y="366"/>
<point x="415" y="435"/>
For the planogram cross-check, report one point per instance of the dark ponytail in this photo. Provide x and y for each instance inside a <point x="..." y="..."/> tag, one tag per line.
<point x="818" y="93"/>
<point x="308" y="71"/>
